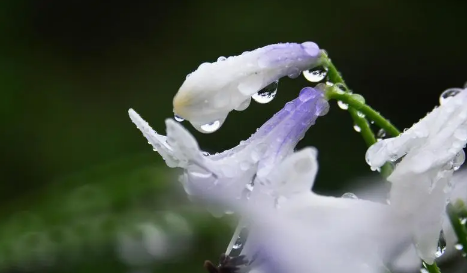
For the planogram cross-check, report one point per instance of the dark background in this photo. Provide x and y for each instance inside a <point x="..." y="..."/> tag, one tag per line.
<point x="69" y="71"/>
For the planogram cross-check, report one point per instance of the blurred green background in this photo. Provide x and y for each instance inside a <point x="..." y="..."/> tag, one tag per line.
<point x="79" y="180"/>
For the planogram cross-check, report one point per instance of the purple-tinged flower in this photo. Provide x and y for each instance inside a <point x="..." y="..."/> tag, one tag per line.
<point x="430" y="151"/>
<point x="231" y="173"/>
<point x="214" y="89"/>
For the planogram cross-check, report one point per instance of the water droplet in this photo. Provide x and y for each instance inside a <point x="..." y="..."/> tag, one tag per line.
<point x="360" y="114"/>
<point x="294" y="73"/>
<point x="221" y="58"/>
<point x="315" y="74"/>
<point x="458" y="246"/>
<point x="441" y="245"/>
<point x="178" y="118"/>
<point x="188" y="75"/>
<point x="358" y="97"/>
<point x="205" y="153"/>
<point x="342" y="105"/>
<point x="357" y="128"/>
<point x="341" y="87"/>
<point x="244" y="105"/>
<point x="211" y="127"/>
<point x="238" y="244"/>
<point x="349" y="195"/>
<point x="451" y="92"/>
<point x="381" y="134"/>
<point x="458" y="160"/>
<point x="267" y="94"/>
<point x="423" y="270"/>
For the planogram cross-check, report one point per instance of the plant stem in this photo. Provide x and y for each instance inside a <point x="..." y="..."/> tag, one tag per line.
<point x="432" y="268"/>
<point x="458" y="227"/>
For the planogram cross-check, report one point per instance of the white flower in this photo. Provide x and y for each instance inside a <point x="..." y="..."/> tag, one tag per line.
<point x="230" y="174"/>
<point x="431" y="150"/>
<point x="214" y="89"/>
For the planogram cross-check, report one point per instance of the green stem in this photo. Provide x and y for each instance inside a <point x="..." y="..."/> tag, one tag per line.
<point x="458" y="227"/>
<point x="432" y="268"/>
<point x="347" y="98"/>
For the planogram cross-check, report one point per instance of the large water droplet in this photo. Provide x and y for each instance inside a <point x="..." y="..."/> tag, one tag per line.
<point x="342" y="105"/>
<point x="357" y="128"/>
<point x="441" y="245"/>
<point x="267" y="94"/>
<point x="178" y="118"/>
<point x="349" y="195"/>
<point x="451" y="92"/>
<point x="211" y="127"/>
<point x="316" y="74"/>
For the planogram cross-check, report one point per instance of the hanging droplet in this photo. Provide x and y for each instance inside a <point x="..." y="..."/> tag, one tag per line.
<point x="451" y="92"/>
<point x="342" y="105"/>
<point x="360" y="114"/>
<point x="349" y="195"/>
<point x="441" y="245"/>
<point x="381" y="134"/>
<point x="458" y="160"/>
<point x="315" y="74"/>
<point x="458" y="246"/>
<point x="210" y="127"/>
<point x="221" y="58"/>
<point x="178" y="118"/>
<point x="357" y="128"/>
<point x="267" y="94"/>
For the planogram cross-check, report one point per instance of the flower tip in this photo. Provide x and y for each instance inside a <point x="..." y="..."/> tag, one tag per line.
<point x="311" y="48"/>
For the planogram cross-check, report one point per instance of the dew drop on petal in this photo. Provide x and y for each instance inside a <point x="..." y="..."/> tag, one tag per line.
<point x="458" y="160"/>
<point x="204" y="153"/>
<point x="342" y="105"/>
<point x="294" y="73"/>
<point x="458" y="246"/>
<point x="381" y="134"/>
<point x="451" y="92"/>
<point x="211" y="127"/>
<point x="221" y="58"/>
<point x="316" y="74"/>
<point x="349" y="195"/>
<point x="441" y="245"/>
<point x="357" y="128"/>
<point x="244" y="105"/>
<point x="461" y="134"/>
<point x="178" y="118"/>
<point x="267" y="94"/>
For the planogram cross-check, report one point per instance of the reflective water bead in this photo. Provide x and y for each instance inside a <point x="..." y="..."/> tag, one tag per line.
<point x="464" y="220"/>
<point x="211" y="127"/>
<point x="349" y="195"/>
<point x="178" y="118"/>
<point x="357" y="128"/>
<point x="451" y="92"/>
<point x="267" y="94"/>
<point x="342" y="105"/>
<point x="441" y="245"/>
<point x="458" y="246"/>
<point x="341" y="87"/>
<point x="360" y="114"/>
<point x="358" y="97"/>
<point x="458" y="160"/>
<point x="221" y="58"/>
<point x="316" y="74"/>
<point x="381" y="134"/>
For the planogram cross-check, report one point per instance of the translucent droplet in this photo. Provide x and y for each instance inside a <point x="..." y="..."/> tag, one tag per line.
<point x="381" y="134"/>
<point x="441" y="245"/>
<point x="178" y="118"/>
<point x="451" y="92"/>
<point x="360" y="114"/>
<point x="294" y="73"/>
<point x="267" y="94"/>
<point x="458" y="160"/>
<point x="358" y="97"/>
<point x="238" y="244"/>
<point x="461" y="134"/>
<point x="349" y="195"/>
<point x="221" y="58"/>
<point x="211" y="127"/>
<point x="357" y="128"/>
<point x="341" y="87"/>
<point x="458" y="246"/>
<point x="205" y="153"/>
<point x="342" y="105"/>
<point x="316" y="74"/>
<point x="244" y="105"/>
